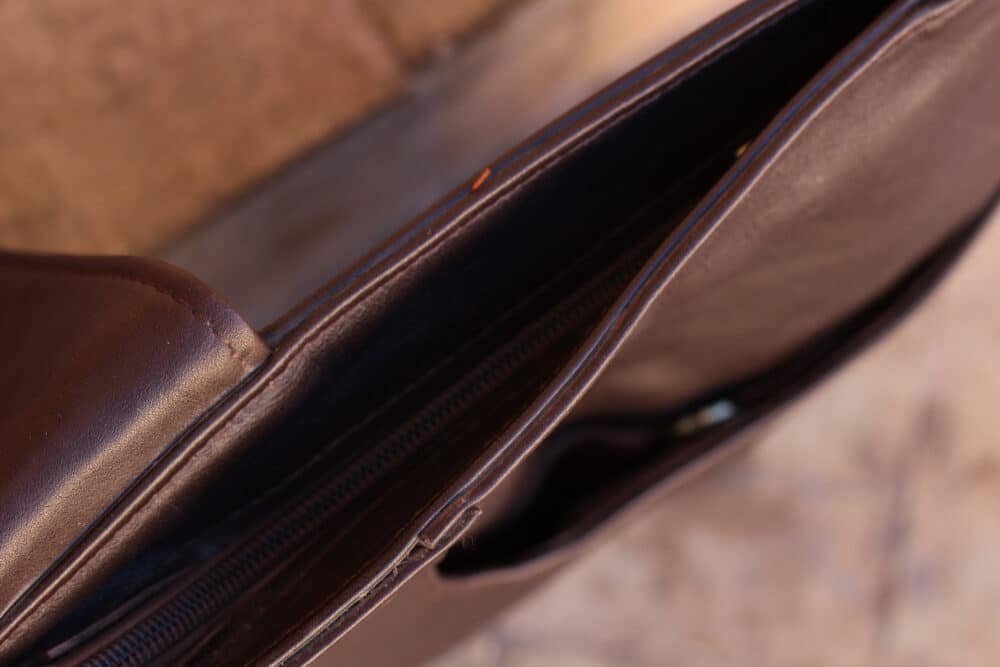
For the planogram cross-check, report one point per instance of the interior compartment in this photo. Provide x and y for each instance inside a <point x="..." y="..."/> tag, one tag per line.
<point x="602" y="214"/>
<point x="589" y="471"/>
<point x="512" y="301"/>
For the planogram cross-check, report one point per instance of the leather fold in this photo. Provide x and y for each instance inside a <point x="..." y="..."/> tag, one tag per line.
<point x="107" y="363"/>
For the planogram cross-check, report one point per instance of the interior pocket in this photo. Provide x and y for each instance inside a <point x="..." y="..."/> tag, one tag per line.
<point x="590" y="471"/>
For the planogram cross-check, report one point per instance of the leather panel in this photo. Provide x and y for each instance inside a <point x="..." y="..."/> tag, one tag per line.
<point x="107" y="362"/>
<point x="907" y="149"/>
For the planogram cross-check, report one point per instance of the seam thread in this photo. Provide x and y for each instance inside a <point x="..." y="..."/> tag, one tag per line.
<point x="196" y="314"/>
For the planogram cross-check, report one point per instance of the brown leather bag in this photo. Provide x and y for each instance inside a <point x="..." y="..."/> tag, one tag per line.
<point x="625" y="296"/>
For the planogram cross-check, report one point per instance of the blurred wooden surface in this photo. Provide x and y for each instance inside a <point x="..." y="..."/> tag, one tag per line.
<point x="318" y="216"/>
<point x="122" y="123"/>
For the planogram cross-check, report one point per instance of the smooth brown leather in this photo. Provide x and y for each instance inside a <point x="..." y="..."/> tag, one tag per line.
<point x="855" y="198"/>
<point x="887" y="153"/>
<point x="106" y="363"/>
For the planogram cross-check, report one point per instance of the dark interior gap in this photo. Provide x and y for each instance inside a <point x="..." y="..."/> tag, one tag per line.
<point x="586" y="471"/>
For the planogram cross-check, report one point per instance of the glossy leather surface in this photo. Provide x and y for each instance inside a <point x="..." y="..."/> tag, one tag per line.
<point x="106" y="363"/>
<point x="904" y="147"/>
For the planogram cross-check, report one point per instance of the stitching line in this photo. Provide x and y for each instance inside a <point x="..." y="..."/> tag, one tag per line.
<point x="196" y="314"/>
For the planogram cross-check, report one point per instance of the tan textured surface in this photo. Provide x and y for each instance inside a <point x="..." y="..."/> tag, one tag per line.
<point x="123" y="122"/>
<point x="863" y="531"/>
<point x="416" y="28"/>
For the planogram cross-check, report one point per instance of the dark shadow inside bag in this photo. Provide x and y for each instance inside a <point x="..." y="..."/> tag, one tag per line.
<point x="589" y="471"/>
<point x="512" y="301"/>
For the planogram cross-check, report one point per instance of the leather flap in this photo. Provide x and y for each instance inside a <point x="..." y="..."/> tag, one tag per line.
<point x="106" y="362"/>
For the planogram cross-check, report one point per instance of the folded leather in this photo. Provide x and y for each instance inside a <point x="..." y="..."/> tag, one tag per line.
<point x="901" y="143"/>
<point x="154" y="389"/>
<point x="107" y="362"/>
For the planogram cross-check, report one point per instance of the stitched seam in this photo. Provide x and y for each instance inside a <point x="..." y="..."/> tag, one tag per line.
<point x="196" y="314"/>
<point x="296" y="628"/>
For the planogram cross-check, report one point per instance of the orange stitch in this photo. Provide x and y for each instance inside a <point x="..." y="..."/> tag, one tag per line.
<point x="478" y="183"/>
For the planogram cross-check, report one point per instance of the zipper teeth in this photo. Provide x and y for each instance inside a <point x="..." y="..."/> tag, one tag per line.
<point x="223" y="583"/>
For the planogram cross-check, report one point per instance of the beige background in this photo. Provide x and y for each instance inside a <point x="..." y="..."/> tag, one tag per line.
<point x="124" y="122"/>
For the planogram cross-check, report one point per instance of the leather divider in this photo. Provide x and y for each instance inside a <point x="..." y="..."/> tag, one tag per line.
<point x="592" y="470"/>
